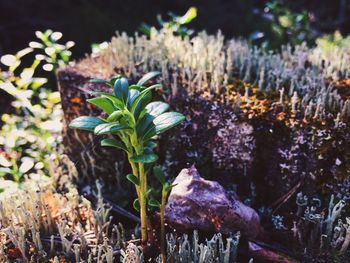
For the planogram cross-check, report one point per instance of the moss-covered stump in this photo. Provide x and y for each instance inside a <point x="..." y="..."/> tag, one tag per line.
<point x="275" y="125"/>
<point x="200" y="140"/>
<point x="259" y="120"/>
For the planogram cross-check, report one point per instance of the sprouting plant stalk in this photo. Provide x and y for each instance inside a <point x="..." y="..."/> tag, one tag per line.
<point x="162" y="224"/>
<point x="142" y="196"/>
<point x="158" y="172"/>
<point x="136" y="121"/>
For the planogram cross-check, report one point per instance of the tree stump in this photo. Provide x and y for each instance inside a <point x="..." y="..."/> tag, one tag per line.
<point x="213" y="137"/>
<point x="83" y="148"/>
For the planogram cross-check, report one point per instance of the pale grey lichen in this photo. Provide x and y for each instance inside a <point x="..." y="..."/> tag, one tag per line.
<point x="186" y="250"/>
<point x="208" y="61"/>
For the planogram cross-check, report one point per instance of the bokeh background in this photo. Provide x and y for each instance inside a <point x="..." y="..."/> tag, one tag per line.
<point x="94" y="21"/>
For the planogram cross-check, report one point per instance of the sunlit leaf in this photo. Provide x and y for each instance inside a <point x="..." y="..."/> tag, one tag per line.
<point x="103" y="103"/>
<point x="107" y="128"/>
<point x="4" y="162"/>
<point x="86" y="123"/>
<point x="24" y="52"/>
<point x="116" y="115"/>
<point x="8" y="60"/>
<point x="147" y="77"/>
<point x="121" y="90"/>
<point x="157" y="107"/>
<point x="26" y="165"/>
<point x="188" y="17"/>
<point x="118" y="103"/>
<point x="48" y="67"/>
<point x="167" y="120"/>
<point x="34" y="44"/>
<point x="56" y="36"/>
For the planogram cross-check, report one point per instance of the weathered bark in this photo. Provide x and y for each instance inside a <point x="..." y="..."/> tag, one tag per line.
<point x="83" y="148"/>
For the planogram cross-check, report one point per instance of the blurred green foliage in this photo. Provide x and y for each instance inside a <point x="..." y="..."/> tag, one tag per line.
<point x="284" y="26"/>
<point x="176" y="23"/>
<point x="329" y="42"/>
<point x="30" y="134"/>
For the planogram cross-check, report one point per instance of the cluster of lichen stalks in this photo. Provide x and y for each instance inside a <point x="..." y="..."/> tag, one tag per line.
<point x="304" y="76"/>
<point x="43" y="224"/>
<point x="40" y="224"/>
<point x="303" y="88"/>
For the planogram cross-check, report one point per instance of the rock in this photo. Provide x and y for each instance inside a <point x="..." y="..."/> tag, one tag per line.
<point x="195" y="203"/>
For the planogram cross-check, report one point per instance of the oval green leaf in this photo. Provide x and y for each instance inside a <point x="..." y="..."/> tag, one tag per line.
<point x="157" y="107"/>
<point x="145" y="127"/>
<point x="118" y="103"/>
<point x="136" y="205"/>
<point x="158" y="172"/>
<point x="86" y="123"/>
<point x="113" y="143"/>
<point x="139" y="97"/>
<point x="107" y="128"/>
<point x="132" y="178"/>
<point x="151" y="144"/>
<point x="153" y="203"/>
<point x="103" y="103"/>
<point x="116" y="115"/>
<point x="167" y="121"/>
<point x="145" y="158"/>
<point x="147" y="77"/>
<point x="121" y="89"/>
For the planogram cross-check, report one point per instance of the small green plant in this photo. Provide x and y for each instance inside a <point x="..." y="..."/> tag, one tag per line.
<point x="176" y="23"/>
<point x="135" y="121"/>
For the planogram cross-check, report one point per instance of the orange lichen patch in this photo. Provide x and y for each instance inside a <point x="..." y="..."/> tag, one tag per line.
<point x="248" y="97"/>
<point x="76" y="100"/>
<point x="343" y="88"/>
<point x="51" y="202"/>
<point x="281" y="116"/>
